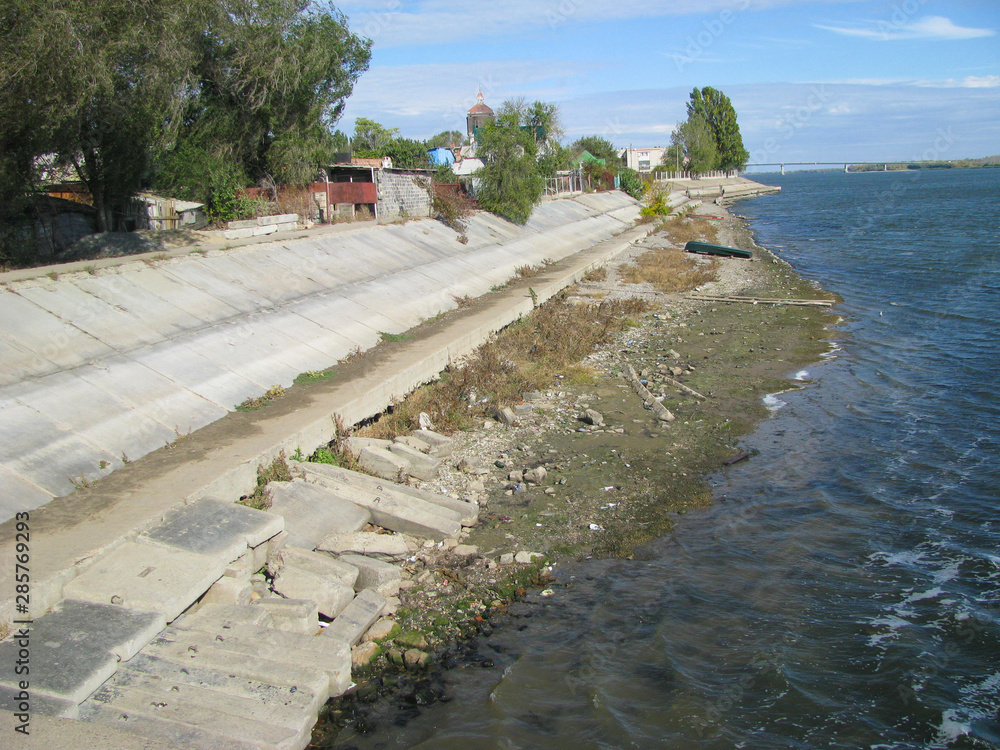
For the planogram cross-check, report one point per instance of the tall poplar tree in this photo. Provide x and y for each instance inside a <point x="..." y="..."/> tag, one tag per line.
<point x="717" y="111"/>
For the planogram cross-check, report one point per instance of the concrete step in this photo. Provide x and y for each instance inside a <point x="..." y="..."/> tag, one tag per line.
<point x="394" y="507"/>
<point x="440" y="444"/>
<point x="374" y="574"/>
<point x="193" y="649"/>
<point x="354" y="621"/>
<point x="303" y="574"/>
<point x="391" y="460"/>
<point x="158" y="730"/>
<point x="311" y="514"/>
<point x="177" y="709"/>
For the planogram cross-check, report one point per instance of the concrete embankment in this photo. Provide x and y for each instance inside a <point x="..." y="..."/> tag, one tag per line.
<point x="102" y="367"/>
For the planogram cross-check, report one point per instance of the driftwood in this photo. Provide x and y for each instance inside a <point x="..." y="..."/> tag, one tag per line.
<point x="764" y="300"/>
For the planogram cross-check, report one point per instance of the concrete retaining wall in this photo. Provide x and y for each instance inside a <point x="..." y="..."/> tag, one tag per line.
<point x="402" y="194"/>
<point x="99" y="369"/>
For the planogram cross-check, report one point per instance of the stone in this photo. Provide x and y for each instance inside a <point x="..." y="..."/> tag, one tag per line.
<point x="507" y="558"/>
<point x="392" y="605"/>
<point x="516" y="477"/>
<point x="312" y="512"/>
<point x="440" y="444"/>
<point x="526" y="558"/>
<point x="382" y="546"/>
<point x="381" y="630"/>
<point x="374" y="574"/>
<point x="416" y="659"/>
<point x="228" y="590"/>
<point x="536" y="475"/>
<point x="592" y="417"/>
<point x="395" y="656"/>
<point x="413" y="639"/>
<point x="472" y="465"/>
<point x="355" y="620"/>
<point x="364" y="654"/>
<point x="420" y="465"/>
<point x="476" y="485"/>
<point x="505" y="416"/>
<point x="465" y="550"/>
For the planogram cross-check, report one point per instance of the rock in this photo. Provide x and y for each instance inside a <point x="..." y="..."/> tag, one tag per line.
<point x="673" y="355"/>
<point x="416" y="659"/>
<point x="383" y="546"/>
<point x="516" y="477"/>
<point x="395" y="656"/>
<point x="381" y="630"/>
<point x="412" y="639"/>
<point x="507" y="558"/>
<point x="465" y="550"/>
<point x="526" y="558"/>
<point x="476" y="486"/>
<point x="531" y="396"/>
<point x="364" y="654"/>
<point x="676" y="371"/>
<point x="535" y="476"/>
<point x="505" y="416"/>
<point x="549" y="491"/>
<point x="522" y="409"/>
<point x="592" y="417"/>
<point x="472" y="465"/>
<point x="391" y="605"/>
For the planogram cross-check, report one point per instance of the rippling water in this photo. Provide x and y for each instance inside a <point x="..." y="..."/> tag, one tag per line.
<point x="845" y="590"/>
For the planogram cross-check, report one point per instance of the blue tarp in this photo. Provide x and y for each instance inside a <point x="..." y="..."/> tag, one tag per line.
<point x="440" y="156"/>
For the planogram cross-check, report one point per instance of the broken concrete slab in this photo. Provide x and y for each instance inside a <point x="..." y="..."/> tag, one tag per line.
<point x="228" y="590"/>
<point x="415" y="443"/>
<point x="352" y="623"/>
<point x="383" y="463"/>
<point x="440" y="444"/>
<point x="464" y="512"/>
<point x="220" y="616"/>
<point x="319" y="563"/>
<point x="147" y="577"/>
<point x="159" y="731"/>
<point x="374" y="574"/>
<point x="390" y="508"/>
<point x="381" y="546"/>
<point x="311" y="512"/>
<point x="422" y="466"/>
<point x="214" y="527"/>
<point x="291" y="615"/>
<point x="330" y="594"/>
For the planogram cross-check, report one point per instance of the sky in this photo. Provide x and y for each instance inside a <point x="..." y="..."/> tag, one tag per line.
<point x="811" y="80"/>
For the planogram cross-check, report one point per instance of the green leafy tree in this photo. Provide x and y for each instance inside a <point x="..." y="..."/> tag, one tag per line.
<point x="596" y="146"/>
<point x="631" y="182"/>
<point x="717" y="111"/>
<point x="372" y="136"/>
<point x="694" y="141"/>
<point x="445" y="139"/>
<point x="511" y="183"/>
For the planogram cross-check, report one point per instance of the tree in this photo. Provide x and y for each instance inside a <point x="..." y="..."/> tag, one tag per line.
<point x="371" y="136"/>
<point x="511" y="183"/>
<point x="717" y="111"/>
<point x="596" y="146"/>
<point x="445" y="139"/>
<point x="694" y="141"/>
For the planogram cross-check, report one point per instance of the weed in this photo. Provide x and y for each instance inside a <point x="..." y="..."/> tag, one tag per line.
<point x="393" y="338"/>
<point x="125" y="458"/>
<point x="297" y="455"/>
<point x="277" y="471"/>
<point x="526" y="271"/>
<point x="464" y="301"/>
<point x="79" y="484"/>
<point x="53" y="275"/>
<point x="256" y="402"/>
<point x="312" y="376"/>
<point x="596" y="274"/>
<point x="89" y="269"/>
<point x="534" y="297"/>
<point x="102" y="464"/>
<point x="669" y="270"/>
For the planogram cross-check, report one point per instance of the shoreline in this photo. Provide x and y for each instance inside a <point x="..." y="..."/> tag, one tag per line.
<point x="605" y="489"/>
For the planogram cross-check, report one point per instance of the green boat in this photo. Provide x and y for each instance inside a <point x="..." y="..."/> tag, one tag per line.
<point x="708" y="249"/>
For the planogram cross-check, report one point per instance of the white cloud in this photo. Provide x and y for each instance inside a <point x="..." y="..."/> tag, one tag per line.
<point x="929" y="27"/>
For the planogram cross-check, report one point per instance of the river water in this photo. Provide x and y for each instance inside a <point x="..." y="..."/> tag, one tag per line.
<point x="844" y="590"/>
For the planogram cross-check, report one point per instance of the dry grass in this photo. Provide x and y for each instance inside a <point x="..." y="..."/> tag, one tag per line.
<point x="680" y="229"/>
<point x="670" y="270"/>
<point x="596" y="274"/>
<point x="527" y="355"/>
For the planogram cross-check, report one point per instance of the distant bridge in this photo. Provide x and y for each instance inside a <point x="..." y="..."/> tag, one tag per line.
<point x="847" y="164"/>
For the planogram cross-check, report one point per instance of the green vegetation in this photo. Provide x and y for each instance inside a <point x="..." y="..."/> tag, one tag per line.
<point x="710" y="137"/>
<point x="257" y="402"/>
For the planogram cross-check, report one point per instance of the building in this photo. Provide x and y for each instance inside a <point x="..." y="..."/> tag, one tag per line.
<point x="642" y="159"/>
<point x="478" y="116"/>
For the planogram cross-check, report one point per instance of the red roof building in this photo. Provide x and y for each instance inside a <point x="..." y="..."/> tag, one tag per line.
<point x="478" y="116"/>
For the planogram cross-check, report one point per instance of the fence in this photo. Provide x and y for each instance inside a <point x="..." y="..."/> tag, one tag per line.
<point x="574" y="182"/>
<point x="663" y="175"/>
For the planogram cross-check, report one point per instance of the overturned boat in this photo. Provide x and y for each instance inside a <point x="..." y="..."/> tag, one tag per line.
<point x="705" y="248"/>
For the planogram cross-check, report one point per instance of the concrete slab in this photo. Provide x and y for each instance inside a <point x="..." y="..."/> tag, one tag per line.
<point x="380" y="546"/>
<point x="311" y="513"/>
<point x="200" y="650"/>
<point x="201" y="274"/>
<point x="37" y="330"/>
<point x="147" y="577"/>
<point x="159" y="732"/>
<point x="120" y="291"/>
<point x="422" y="466"/>
<point x="18" y="494"/>
<point x="388" y="508"/>
<point x="215" y="617"/>
<point x="383" y="463"/>
<point x="159" y="283"/>
<point x="13" y="700"/>
<point x="59" y="669"/>
<point x="199" y="374"/>
<point x="20" y="363"/>
<point x="331" y="595"/>
<point x="177" y="709"/>
<point x="291" y="615"/>
<point x="465" y="513"/>
<point x="277" y="713"/>
<point x="354" y="621"/>
<point x="170" y="673"/>
<point x="321" y="564"/>
<point x="106" y="323"/>
<point x="374" y="574"/>
<point x="215" y="528"/>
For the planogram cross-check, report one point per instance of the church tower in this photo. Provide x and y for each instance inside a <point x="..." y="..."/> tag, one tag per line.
<point x="478" y="116"/>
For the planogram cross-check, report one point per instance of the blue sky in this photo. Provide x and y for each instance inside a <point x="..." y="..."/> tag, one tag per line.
<point x="810" y="79"/>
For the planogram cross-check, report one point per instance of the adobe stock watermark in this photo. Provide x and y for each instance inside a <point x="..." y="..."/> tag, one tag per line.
<point x="789" y="124"/>
<point x="376" y="22"/>
<point x="901" y="15"/>
<point x="712" y="29"/>
<point x="562" y="12"/>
